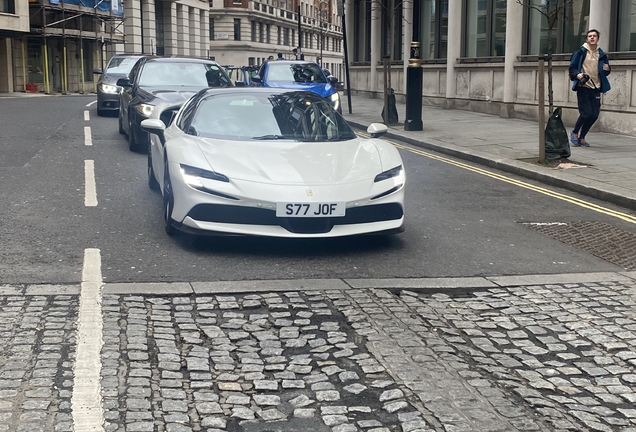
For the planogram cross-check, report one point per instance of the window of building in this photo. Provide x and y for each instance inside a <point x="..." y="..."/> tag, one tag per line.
<point x="293" y="37"/>
<point x="268" y="34"/>
<point x="237" y="29"/>
<point x="392" y="21"/>
<point x="626" y="26"/>
<point x="280" y="36"/>
<point x="253" y="31"/>
<point x="362" y="27"/>
<point x="569" y="28"/>
<point x="261" y="32"/>
<point x="211" y="28"/>
<point x="286" y="37"/>
<point x="7" y="6"/>
<point x="433" y="29"/>
<point x="485" y="34"/>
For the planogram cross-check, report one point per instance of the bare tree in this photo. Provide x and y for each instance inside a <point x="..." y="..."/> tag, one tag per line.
<point x="390" y="12"/>
<point x="551" y="10"/>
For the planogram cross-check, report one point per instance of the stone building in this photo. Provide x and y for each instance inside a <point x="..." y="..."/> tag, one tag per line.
<point x="482" y="55"/>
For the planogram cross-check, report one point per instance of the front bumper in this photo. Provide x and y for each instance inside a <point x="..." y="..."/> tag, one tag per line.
<point x="107" y="101"/>
<point x="198" y="211"/>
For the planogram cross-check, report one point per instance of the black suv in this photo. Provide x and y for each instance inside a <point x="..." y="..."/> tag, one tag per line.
<point x="156" y="83"/>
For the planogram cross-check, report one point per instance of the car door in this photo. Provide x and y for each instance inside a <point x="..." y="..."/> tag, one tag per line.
<point x="128" y="93"/>
<point x="158" y="149"/>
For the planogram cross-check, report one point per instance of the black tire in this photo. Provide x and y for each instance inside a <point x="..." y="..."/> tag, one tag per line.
<point x="121" y="125"/>
<point x="133" y="145"/>
<point x="153" y="184"/>
<point x="168" y="203"/>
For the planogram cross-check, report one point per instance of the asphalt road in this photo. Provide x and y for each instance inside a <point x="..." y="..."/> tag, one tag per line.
<point x="459" y="223"/>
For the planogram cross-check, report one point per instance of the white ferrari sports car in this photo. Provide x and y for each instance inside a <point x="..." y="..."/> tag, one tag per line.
<point x="272" y="162"/>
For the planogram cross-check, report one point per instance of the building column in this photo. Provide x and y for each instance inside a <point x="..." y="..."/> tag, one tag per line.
<point x="150" y="29"/>
<point x="600" y="18"/>
<point x="349" y="23"/>
<point x="514" y="22"/>
<point x="205" y="33"/>
<point x="407" y="31"/>
<point x="169" y="28"/>
<point x="454" y="49"/>
<point x="195" y="32"/>
<point x="132" y="27"/>
<point x="6" y="66"/>
<point x="376" y="47"/>
<point x="183" y="33"/>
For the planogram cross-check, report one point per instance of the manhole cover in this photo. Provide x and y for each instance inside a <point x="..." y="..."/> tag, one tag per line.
<point x="599" y="239"/>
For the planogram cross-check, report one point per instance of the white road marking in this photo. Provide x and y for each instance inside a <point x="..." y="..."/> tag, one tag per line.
<point x="90" y="188"/>
<point x="91" y="104"/>
<point x="87" y="115"/>
<point x="88" y="140"/>
<point x="86" y="406"/>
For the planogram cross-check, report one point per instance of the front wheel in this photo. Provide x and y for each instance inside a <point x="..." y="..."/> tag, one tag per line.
<point x="133" y="144"/>
<point x="153" y="184"/>
<point x="121" y="124"/>
<point x="168" y="203"/>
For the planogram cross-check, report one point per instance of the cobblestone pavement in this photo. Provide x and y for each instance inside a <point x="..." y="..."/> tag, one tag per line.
<point x="534" y="358"/>
<point x="37" y="343"/>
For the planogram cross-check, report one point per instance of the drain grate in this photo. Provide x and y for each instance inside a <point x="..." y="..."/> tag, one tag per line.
<point x="597" y="238"/>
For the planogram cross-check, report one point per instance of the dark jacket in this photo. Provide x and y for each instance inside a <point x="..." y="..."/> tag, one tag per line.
<point x="576" y="66"/>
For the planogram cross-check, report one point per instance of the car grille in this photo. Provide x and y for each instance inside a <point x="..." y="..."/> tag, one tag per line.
<point x="255" y="216"/>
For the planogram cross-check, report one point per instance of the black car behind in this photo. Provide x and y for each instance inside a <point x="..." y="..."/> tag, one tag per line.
<point x="159" y="82"/>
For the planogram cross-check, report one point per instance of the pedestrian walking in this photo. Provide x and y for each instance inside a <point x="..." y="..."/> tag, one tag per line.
<point x="296" y="55"/>
<point x="270" y="58"/>
<point x="589" y="68"/>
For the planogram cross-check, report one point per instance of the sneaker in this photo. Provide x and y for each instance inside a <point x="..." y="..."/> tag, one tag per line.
<point x="574" y="139"/>
<point x="584" y="144"/>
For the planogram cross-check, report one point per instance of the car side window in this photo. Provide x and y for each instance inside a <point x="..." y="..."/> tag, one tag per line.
<point x="134" y="72"/>
<point x="185" y="117"/>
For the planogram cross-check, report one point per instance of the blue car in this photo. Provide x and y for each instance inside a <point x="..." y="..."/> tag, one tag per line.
<point x="298" y="75"/>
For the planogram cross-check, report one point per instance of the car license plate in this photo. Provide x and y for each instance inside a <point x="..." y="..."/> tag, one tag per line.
<point x="313" y="209"/>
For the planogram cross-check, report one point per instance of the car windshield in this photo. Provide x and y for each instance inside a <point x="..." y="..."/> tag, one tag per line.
<point x="183" y="74"/>
<point x="121" y="65"/>
<point x="299" y="116"/>
<point x="295" y="72"/>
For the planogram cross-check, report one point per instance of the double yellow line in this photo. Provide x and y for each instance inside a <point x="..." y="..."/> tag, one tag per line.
<point x="588" y="205"/>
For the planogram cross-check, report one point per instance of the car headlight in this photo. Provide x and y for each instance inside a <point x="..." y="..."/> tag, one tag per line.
<point x="397" y="174"/>
<point x="335" y="100"/>
<point x="192" y="175"/>
<point x="108" y="88"/>
<point x="145" y="109"/>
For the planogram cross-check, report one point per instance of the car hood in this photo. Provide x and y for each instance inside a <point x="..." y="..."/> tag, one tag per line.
<point x="170" y="95"/>
<point x="323" y="89"/>
<point x="111" y="78"/>
<point x="292" y="163"/>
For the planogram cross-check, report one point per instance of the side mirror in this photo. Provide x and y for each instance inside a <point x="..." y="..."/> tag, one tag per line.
<point x="124" y="82"/>
<point x="257" y="79"/>
<point x="154" y="126"/>
<point x="97" y="71"/>
<point x="333" y="80"/>
<point x="376" y="130"/>
<point x="340" y="86"/>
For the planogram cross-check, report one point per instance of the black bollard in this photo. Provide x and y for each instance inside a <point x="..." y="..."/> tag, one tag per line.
<point x="413" y="121"/>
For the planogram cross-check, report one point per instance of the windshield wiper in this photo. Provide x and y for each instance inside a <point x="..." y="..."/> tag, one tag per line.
<point x="269" y="137"/>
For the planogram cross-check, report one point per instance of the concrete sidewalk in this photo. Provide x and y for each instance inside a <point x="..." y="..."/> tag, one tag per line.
<point x="609" y="171"/>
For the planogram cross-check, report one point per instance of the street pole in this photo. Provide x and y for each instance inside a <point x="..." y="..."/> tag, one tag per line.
<point x="413" y="121"/>
<point x="346" y="55"/>
<point x="541" y="100"/>
<point x="300" y="38"/>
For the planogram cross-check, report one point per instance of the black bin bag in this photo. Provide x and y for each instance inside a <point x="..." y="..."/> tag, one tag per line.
<point x="557" y="145"/>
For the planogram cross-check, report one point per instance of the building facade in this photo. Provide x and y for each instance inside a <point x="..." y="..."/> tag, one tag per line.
<point x="482" y="55"/>
<point x="247" y="32"/>
<point x="53" y="46"/>
<point x="14" y="24"/>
